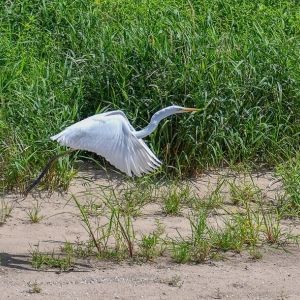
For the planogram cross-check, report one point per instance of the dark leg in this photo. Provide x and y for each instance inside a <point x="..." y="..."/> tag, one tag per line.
<point x="28" y="189"/>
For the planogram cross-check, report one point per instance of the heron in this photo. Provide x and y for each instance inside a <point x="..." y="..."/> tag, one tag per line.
<point x="111" y="136"/>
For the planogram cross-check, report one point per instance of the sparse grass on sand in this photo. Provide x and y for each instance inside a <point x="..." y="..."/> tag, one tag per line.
<point x="62" y="61"/>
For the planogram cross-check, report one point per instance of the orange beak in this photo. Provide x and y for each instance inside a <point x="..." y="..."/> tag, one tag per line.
<point x="192" y="109"/>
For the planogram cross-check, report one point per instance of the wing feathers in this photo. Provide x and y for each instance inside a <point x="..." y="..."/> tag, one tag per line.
<point x="111" y="136"/>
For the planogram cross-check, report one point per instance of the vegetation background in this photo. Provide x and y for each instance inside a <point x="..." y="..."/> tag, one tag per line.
<point x="62" y="61"/>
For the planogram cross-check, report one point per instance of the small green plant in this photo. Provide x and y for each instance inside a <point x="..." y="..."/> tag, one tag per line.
<point x="50" y="260"/>
<point x="34" y="213"/>
<point x="198" y="247"/>
<point x="212" y="200"/>
<point x="243" y="192"/>
<point x="175" y="197"/>
<point x="247" y="225"/>
<point x="152" y="245"/>
<point x="85" y="219"/>
<point x="160" y="228"/>
<point x="67" y="248"/>
<point x="34" y="287"/>
<point x="181" y="251"/>
<point x="134" y="198"/>
<point x="255" y="253"/>
<point x="123" y="232"/>
<point x="271" y="226"/>
<point x="289" y="171"/>
<point x="92" y="208"/>
<point x="148" y="246"/>
<point x="229" y="237"/>
<point x="174" y="281"/>
<point x="84" y="249"/>
<point x="5" y="211"/>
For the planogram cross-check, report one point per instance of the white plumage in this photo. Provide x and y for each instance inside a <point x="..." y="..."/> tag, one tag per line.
<point x="111" y="135"/>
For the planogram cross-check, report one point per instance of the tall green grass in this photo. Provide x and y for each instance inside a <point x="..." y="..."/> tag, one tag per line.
<point x="62" y="61"/>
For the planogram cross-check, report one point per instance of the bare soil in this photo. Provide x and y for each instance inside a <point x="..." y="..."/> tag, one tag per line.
<point x="238" y="276"/>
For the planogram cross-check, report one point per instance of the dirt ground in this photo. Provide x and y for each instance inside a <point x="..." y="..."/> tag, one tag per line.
<point x="275" y="276"/>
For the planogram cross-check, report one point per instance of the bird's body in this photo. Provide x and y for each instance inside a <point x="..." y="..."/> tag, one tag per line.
<point x="111" y="135"/>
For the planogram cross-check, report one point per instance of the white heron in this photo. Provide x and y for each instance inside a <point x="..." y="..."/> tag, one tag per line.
<point x="111" y="135"/>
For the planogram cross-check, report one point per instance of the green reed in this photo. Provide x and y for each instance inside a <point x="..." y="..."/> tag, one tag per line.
<point x="62" y="61"/>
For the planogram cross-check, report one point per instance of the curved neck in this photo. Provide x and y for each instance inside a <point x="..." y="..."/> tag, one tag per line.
<point x="156" y="118"/>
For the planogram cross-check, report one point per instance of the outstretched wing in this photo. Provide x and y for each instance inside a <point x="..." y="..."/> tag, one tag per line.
<point x="111" y="136"/>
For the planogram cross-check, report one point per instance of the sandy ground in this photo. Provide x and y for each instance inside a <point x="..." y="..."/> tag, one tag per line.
<point x="275" y="276"/>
